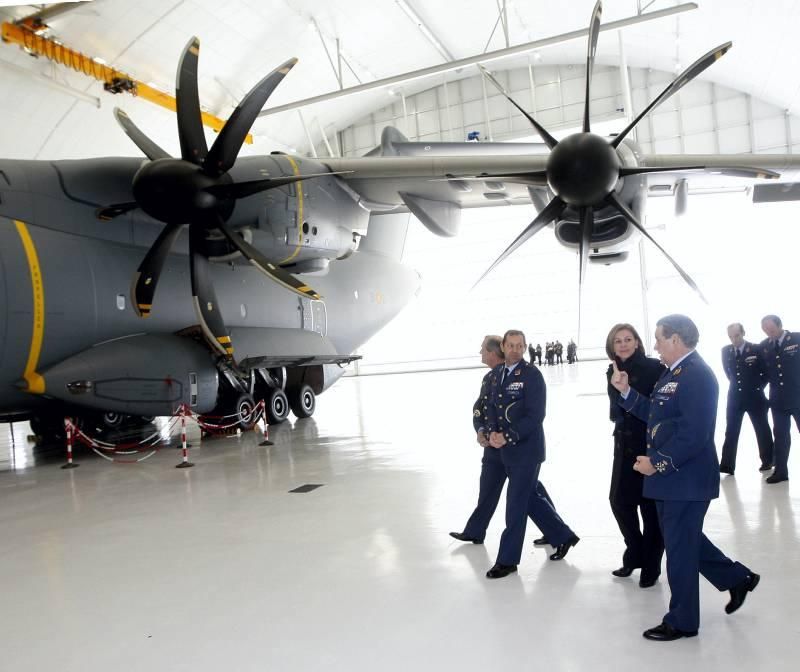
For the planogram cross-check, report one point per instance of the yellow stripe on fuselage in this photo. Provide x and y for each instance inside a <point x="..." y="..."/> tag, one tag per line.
<point x="299" y="222"/>
<point x="35" y="381"/>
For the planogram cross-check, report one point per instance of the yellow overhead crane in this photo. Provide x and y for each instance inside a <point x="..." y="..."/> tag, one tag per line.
<point x="114" y="81"/>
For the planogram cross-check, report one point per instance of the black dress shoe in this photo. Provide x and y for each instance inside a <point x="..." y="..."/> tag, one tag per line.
<point x="777" y="479"/>
<point x="739" y="592"/>
<point x="541" y="541"/>
<point x="563" y="549"/>
<point x="463" y="537"/>
<point x="666" y="633"/>
<point x="766" y="467"/>
<point x="623" y="572"/>
<point x="725" y="470"/>
<point x="499" y="571"/>
<point x="647" y="583"/>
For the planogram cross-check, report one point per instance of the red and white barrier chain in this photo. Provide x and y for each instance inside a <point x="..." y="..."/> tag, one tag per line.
<point x="150" y="444"/>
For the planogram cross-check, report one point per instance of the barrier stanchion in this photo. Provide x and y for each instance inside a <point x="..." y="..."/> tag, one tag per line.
<point x="70" y="464"/>
<point x="185" y="462"/>
<point x="266" y="441"/>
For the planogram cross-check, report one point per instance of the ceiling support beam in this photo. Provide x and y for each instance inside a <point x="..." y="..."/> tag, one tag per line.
<point x="427" y="33"/>
<point x="479" y="58"/>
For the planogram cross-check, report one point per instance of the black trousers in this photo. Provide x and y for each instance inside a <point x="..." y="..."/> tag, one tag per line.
<point x="644" y="546"/>
<point x="758" y="416"/>
<point x="782" y="422"/>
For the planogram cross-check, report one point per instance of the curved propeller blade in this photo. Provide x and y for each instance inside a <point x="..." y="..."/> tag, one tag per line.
<point x="625" y="212"/>
<point x="549" y="140"/>
<point x="145" y="279"/>
<point x="244" y="189"/>
<point x="226" y="147"/>
<point x="553" y="209"/>
<point x="204" y="296"/>
<point x="149" y="148"/>
<point x="732" y="171"/>
<point x="594" y="31"/>
<point x="587" y="224"/>
<point x="677" y="84"/>
<point x="190" y="122"/>
<point x="109" y="212"/>
<point x="269" y="269"/>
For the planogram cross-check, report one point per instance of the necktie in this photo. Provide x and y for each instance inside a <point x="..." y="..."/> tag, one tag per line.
<point x="506" y="371"/>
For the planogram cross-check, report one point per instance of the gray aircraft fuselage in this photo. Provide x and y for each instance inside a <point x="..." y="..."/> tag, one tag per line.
<point x="65" y="274"/>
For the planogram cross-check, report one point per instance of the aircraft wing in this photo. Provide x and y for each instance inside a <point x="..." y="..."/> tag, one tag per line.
<point x="380" y="181"/>
<point x="788" y="165"/>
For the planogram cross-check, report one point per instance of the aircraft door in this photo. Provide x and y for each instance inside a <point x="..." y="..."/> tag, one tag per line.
<point x="315" y="316"/>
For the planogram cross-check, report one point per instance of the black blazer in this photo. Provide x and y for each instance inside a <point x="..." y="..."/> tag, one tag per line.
<point x="630" y="433"/>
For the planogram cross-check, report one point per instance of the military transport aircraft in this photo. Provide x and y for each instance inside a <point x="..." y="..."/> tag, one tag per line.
<point x="252" y="273"/>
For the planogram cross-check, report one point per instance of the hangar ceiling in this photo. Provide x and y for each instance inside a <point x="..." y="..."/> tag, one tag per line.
<point x="244" y="39"/>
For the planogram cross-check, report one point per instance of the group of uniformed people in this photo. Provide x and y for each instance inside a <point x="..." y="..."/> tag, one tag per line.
<point x="749" y="368"/>
<point x="665" y="460"/>
<point x="553" y="353"/>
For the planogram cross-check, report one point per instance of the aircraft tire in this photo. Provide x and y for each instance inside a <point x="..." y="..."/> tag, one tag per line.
<point x="303" y="401"/>
<point x="243" y="409"/>
<point x="277" y="406"/>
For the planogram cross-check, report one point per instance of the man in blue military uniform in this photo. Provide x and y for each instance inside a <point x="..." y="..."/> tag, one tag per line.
<point x="515" y="413"/>
<point x="493" y="472"/>
<point x="683" y="475"/>
<point x="747" y="377"/>
<point x="781" y="352"/>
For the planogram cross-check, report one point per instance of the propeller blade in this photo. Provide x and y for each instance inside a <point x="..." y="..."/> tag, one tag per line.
<point x="587" y="223"/>
<point x="146" y="277"/>
<point x="549" y="140"/>
<point x="553" y="209"/>
<point x="149" y="148"/>
<point x="678" y="83"/>
<point x="732" y="171"/>
<point x="227" y="145"/>
<point x="190" y="123"/>
<point x="619" y="205"/>
<point x="594" y="32"/>
<point x="269" y="269"/>
<point x="244" y="189"/>
<point x="109" y="212"/>
<point x="205" y="299"/>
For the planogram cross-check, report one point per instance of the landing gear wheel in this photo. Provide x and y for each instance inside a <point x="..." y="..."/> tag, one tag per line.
<point x="111" y="420"/>
<point x="244" y="411"/>
<point x="277" y="406"/>
<point x="303" y="401"/>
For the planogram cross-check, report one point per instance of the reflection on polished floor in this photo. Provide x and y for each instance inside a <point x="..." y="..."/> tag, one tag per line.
<point x="148" y="567"/>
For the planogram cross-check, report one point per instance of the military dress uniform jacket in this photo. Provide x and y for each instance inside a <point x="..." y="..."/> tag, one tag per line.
<point x="517" y="410"/>
<point x="747" y="375"/>
<point x="480" y="421"/>
<point x="783" y="371"/>
<point x="630" y="433"/>
<point x="681" y="415"/>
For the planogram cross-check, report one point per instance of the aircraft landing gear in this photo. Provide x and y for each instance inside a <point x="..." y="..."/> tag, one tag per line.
<point x="277" y="406"/>
<point x="302" y="401"/>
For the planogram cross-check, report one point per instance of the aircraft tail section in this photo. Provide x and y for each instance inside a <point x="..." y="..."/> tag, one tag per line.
<point x="394" y="143"/>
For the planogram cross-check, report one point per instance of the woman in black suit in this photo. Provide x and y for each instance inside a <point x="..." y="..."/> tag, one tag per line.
<point x="644" y="545"/>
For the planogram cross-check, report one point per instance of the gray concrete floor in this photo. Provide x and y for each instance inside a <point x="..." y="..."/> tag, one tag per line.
<point x="148" y="567"/>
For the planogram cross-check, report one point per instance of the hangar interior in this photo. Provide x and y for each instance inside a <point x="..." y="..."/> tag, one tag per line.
<point x="139" y="566"/>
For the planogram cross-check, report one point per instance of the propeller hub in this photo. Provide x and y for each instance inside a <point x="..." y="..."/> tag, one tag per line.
<point x="171" y="190"/>
<point x="583" y="169"/>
